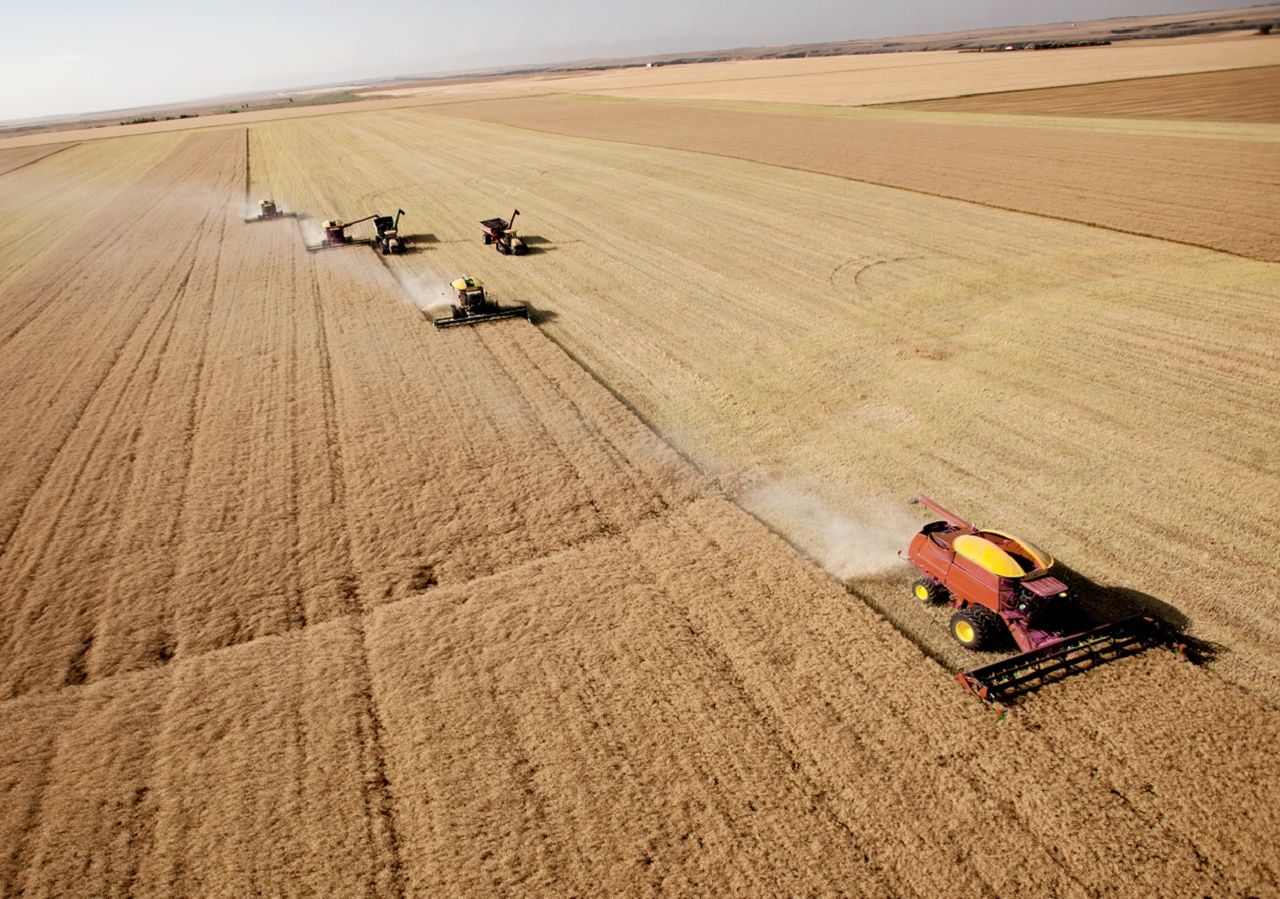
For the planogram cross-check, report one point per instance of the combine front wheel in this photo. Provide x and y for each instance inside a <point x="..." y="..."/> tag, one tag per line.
<point x="928" y="592"/>
<point x="976" y="627"/>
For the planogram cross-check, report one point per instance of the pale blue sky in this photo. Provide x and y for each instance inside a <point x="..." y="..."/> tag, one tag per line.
<point x="79" y="56"/>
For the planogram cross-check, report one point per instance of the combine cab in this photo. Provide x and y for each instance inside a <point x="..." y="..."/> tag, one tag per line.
<point x="500" y="233"/>
<point x="473" y="306"/>
<point x="1001" y="588"/>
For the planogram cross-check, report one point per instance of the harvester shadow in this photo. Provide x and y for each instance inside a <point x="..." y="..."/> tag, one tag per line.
<point x="1101" y="605"/>
<point x="542" y="316"/>
<point x="421" y="238"/>
<point x="534" y="244"/>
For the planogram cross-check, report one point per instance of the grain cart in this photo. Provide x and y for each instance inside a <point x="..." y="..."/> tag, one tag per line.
<point x="335" y="234"/>
<point x="388" y="239"/>
<point x="474" y="306"/>
<point x="501" y="233"/>
<point x="1001" y="588"/>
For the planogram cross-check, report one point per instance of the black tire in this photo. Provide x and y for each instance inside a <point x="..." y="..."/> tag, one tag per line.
<point x="487" y="240"/>
<point x="977" y="627"/>
<point x="928" y="591"/>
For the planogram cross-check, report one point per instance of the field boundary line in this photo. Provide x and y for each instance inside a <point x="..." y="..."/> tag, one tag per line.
<point x="51" y="153"/>
<point x="912" y="190"/>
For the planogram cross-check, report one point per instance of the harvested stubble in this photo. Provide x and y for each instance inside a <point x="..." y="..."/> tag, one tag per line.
<point x="41" y="203"/>
<point x="255" y="769"/>
<point x="1241" y="95"/>
<point x="181" y="453"/>
<point x="683" y="708"/>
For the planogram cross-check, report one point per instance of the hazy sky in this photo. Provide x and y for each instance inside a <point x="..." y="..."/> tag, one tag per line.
<point x="85" y="55"/>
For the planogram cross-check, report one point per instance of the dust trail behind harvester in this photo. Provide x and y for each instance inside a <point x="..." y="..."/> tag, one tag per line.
<point x="861" y="543"/>
<point x="432" y="294"/>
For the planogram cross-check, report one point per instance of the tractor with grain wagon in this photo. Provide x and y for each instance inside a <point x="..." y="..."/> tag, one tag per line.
<point x="473" y="306"/>
<point x="501" y="234"/>
<point x="388" y="240"/>
<point x="1001" y="588"/>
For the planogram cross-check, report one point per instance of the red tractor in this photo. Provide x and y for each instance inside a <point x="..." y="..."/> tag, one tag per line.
<point x="1000" y="587"/>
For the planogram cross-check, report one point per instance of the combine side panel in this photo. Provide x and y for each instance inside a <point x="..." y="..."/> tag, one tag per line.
<point x="1012" y="677"/>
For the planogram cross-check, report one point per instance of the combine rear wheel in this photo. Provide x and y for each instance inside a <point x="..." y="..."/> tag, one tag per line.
<point x="976" y="627"/>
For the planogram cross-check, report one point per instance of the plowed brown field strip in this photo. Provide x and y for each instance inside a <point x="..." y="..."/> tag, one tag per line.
<point x="1242" y="95"/>
<point x="1217" y="193"/>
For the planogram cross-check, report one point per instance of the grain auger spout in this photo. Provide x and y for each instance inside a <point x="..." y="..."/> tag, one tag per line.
<point x="1001" y="587"/>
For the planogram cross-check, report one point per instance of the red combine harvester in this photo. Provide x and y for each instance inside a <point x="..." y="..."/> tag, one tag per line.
<point x="335" y="234"/>
<point x="1000" y="587"/>
<point x="269" y="211"/>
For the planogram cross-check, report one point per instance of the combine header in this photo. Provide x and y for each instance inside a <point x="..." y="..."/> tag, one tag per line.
<point x="1000" y="587"/>
<point x="473" y="306"/>
<point x="501" y="234"/>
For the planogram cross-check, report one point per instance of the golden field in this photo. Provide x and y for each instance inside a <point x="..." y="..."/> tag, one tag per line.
<point x="300" y="596"/>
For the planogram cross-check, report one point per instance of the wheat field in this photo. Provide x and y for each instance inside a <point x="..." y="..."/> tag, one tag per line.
<point x="300" y="596"/>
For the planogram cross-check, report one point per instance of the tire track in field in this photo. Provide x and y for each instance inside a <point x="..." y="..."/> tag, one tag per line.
<point x="95" y="243"/>
<point x="31" y="569"/>
<point x="379" y="799"/>
<point x="9" y="524"/>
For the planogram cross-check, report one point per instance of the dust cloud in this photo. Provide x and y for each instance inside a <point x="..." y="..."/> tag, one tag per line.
<point x="859" y="539"/>
<point x="312" y="233"/>
<point x="430" y="293"/>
